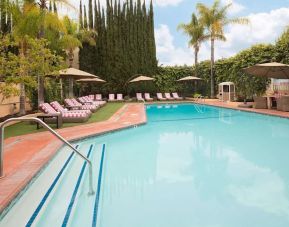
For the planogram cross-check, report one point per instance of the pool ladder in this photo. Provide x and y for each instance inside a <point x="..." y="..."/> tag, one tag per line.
<point x="33" y="119"/>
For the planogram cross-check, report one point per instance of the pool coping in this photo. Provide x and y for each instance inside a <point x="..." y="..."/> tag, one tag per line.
<point x="119" y="121"/>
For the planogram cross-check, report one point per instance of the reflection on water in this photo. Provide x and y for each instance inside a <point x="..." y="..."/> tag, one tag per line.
<point x="218" y="168"/>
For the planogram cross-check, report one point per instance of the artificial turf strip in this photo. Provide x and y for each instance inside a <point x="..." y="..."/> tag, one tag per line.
<point x="102" y="114"/>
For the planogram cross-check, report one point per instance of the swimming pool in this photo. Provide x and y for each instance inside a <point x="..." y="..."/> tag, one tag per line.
<point x="189" y="166"/>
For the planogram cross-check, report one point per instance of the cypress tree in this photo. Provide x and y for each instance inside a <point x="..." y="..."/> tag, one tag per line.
<point x="80" y="15"/>
<point x="90" y="14"/>
<point x="125" y="42"/>
<point x="3" y="16"/>
<point x="54" y="7"/>
<point x="85" y="24"/>
<point x="50" y="6"/>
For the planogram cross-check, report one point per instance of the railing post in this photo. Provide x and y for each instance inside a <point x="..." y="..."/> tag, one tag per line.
<point x="1" y="149"/>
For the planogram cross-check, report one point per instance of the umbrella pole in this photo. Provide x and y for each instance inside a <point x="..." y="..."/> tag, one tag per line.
<point x="70" y="94"/>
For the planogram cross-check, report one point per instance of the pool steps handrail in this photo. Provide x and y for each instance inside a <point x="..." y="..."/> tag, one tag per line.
<point x="34" y="119"/>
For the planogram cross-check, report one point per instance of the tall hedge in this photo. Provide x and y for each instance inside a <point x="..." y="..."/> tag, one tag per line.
<point x="125" y="43"/>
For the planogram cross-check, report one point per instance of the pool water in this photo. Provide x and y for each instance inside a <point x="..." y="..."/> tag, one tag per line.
<point x="189" y="166"/>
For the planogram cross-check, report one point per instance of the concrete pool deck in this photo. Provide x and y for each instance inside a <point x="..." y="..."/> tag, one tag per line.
<point x="25" y="156"/>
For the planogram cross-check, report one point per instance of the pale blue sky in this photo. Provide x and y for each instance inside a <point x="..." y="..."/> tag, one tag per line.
<point x="268" y="19"/>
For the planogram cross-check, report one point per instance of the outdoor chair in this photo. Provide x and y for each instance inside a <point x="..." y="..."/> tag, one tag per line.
<point x="168" y="96"/>
<point x="148" y="97"/>
<point x="260" y="103"/>
<point x="67" y="117"/>
<point x="139" y="97"/>
<point x="91" y="97"/>
<point x="98" y="97"/>
<point x="74" y="104"/>
<point x="111" y="97"/>
<point x="119" y="97"/>
<point x="176" y="96"/>
<point x="99" y="103"/>
<point x="283" y="103"/>
<point x="160" y="97"/>
<point x="56" y="105"/>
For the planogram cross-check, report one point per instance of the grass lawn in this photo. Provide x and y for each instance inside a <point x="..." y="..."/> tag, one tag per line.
<point x="102" y="114"/>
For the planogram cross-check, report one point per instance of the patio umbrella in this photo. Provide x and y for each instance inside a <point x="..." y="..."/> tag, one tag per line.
<point x="73" y="74"/>
<point x="270" y="70"/>
<point x="91" y="80"/>
<point x="141" y="78"/>
<point x="192" y="79"/>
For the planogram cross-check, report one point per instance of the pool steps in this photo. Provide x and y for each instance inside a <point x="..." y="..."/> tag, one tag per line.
<point x="64" y="205"/>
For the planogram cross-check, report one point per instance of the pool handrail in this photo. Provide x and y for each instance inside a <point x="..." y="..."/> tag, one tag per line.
<point x="34" y="119"/>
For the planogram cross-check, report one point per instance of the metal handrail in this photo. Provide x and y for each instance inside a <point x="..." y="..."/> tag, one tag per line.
<point x="33" y="119"/>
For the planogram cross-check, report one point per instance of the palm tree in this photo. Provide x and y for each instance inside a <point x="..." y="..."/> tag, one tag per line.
<point x="47" y="17"/>
<point x="196" y="31"/>
<point x="215" y="18"/>
<point x="72" y="40"/>
<point x="25" y="25"/>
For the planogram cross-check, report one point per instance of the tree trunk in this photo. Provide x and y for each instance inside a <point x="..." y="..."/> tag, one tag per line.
<point x="212" y="67"/>
<point x="40" y="79"/>
<point x="196" y="62"/>
<point x="22" y="99"/>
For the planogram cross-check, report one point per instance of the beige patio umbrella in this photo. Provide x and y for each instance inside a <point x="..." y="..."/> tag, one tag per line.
<point x="141" y="78"/>
<point x="270" y="70"/>
<point x="92" y="80"/>
<point x="190" y="78"/>
<point x="73" y="74"/>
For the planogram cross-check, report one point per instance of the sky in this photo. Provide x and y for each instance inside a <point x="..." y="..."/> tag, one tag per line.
<point x="268" y="19"/>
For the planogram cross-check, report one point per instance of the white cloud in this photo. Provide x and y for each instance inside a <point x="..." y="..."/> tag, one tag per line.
<point x="167" y="53"/>
<point x="167" y="2"/>
<point x="236" y="7"/>
<point x="263" y="28"/>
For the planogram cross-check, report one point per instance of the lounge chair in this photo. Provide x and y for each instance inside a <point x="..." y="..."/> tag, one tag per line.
<point x="139" y="97"/>
<point x="176" y="96"/>
<point x="56" y="105"/>
<point x="68" y="117"/>
<point x="89" y="100"/>
<point x="148" y="97"/>
<point x="91" y="97"/>
<point x="168" y="96"/>
<point x="98" y="97"/>
<point x="111" y="97"/>
<point x="260" y="103"/>
<point x="74" y="104"/>
<point x="160" y="97"/>
<point x="119" y="97"/>
<point x="283" y="103"/>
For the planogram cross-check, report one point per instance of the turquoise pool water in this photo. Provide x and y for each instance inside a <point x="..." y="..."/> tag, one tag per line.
<point x="189" y="166"/>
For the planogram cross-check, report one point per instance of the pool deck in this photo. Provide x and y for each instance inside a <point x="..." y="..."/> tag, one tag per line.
<point x="234" y="105"/>
<point x="25" y="155"/>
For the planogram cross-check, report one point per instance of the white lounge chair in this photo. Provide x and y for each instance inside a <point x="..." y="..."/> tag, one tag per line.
<point x="119" y="97"/>
<point x="176" y="96"/>
<point x="98" y="97"/>
<point x="111" y="97"/>
<point x="139" y="97"/>
<point x="148" y="97"/>
<point x="168" y="96"/>
<point x="160" y="97"/>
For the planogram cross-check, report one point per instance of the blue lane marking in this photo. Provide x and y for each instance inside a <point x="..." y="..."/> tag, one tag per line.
<point x="72" y="200"/>
<point x="95" y="210"/>
<point x="45" y="197"/>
